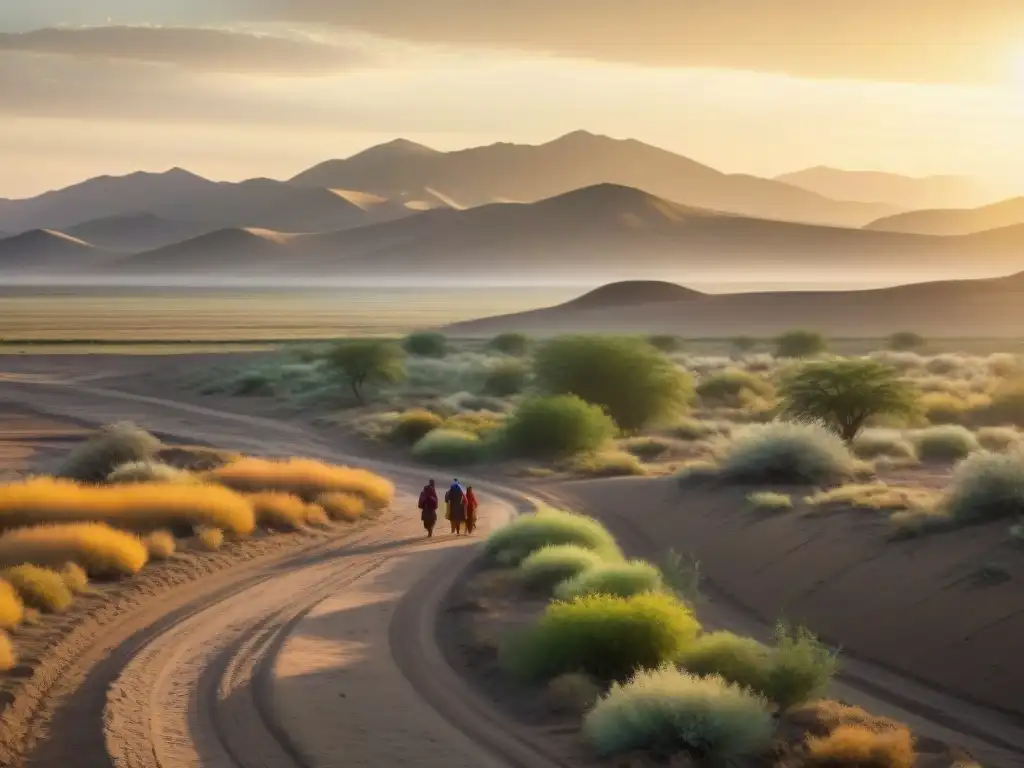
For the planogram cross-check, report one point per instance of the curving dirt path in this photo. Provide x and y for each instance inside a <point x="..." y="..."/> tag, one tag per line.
<point x="324" y="657"/>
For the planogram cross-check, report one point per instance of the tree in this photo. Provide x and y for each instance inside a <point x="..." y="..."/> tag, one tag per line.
<point x="844" y="394"/>
<point x="906" y="341"/>
<point x="632" y="381"/>
<point x="367" y="361"/>
<point x="426" y="344"/>
<point x="800" y="343"/>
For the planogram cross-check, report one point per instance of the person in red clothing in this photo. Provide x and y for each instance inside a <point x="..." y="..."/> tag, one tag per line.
<point x="428" y="507"/>
<point x="471" y="506"/>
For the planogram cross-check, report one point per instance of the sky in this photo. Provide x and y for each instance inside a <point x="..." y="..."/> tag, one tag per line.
<point x="233" y="89"/>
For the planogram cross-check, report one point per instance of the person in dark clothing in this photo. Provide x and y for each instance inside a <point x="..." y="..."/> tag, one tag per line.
<point x="428" y="507"/>
<point x="471" y="507"/>
<point x="455" y="498"/>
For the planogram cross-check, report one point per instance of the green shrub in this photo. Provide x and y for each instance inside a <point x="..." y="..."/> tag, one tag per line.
<point x="412" y="426"/>
<point x="945" y="443"/>
<point x="800" y="343"/>
<point x="872" y="444"/>
<point x="726" y="386"/>
<point x="507" y="378"/>
<point x="608" y="464"/>
<point x="604" y="636"/>
<point x="801" y="667"/>
<point x="632" y="381"/>
<point x="149" y="472"/>
<point x="529" y="533"/>
<point x="740" y="660"/>
<point x="665" y="342"/>
<point x="690" y="429"/>
<point x="551" y="565"/>
<point x="449" y="448"/>
<point x="844" y="394"/>
<point x="770" y="501"/>
<point x="784" y="453"/>
<point x="905" y="341"/>
<point x="985" y="487"/>
<point x="108" y="449"/>
<point x="619" y="579"/>
<point x="667" y="711"/>
<point x="516" y="344"/>
<point x="551" y="427"/>
<point x="365" y="362"/>
<point x="426" y="344"/>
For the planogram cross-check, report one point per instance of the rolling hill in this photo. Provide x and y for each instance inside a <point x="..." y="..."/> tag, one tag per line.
<point x="134" y="232"/>
<point x="41" y="251"/>
<point x="527" y="173"/>
<point x="990" y="308"/>
<point x="954" y="221"/>
<point x="233" y="251"/>
<point x="906" y="192"/>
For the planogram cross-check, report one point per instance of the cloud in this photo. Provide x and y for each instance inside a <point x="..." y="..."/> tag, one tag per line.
<point x="938" y="41"/>
<point x="200" y="49"/>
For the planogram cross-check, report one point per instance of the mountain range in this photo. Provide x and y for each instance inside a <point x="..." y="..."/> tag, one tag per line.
<point x="954" y="221"/>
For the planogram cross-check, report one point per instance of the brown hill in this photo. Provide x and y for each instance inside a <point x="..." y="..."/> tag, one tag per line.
<point x="134" y="232"/>
<point x="42" y="251"/>
<point x="906" y="192"/>
<point x="527" y="173"/>
<point x="950" y="309"/>
<point x="233" y="251"/>
<point x="953" y="221"/>
<point x="631" y="293"/>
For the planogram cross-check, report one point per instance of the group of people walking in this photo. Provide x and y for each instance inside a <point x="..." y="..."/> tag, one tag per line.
<point x="460" y="507"/>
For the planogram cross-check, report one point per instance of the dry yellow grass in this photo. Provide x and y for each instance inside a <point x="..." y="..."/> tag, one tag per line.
<point x="75" y="577"/>
<point x="317" y="516"/>
<point x="279" y="511"/>
<point x="144" y="506"/>
<point x="40" y="588"/>
<point x="12" y="610"/>
<point x="875" y="496"/>
<point x="342" y="506"/>
<point x="160" y="544"/>
<point x="101" y="550"/>
<point x="7" y="656"/>
<point x="854" y="746"/>
<point x="306" y="478"/>
<point x="210" y="539"/>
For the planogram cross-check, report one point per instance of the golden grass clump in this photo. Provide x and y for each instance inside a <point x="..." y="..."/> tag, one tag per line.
<point x="859" y="747"/>
<point x="879" y="497"/>
<point x="317" y="516"/>
<point x="7" y="656"/>
<point x="12" y="609"/>
<point x="40" y="588"/>
<point x="145" y="506"/>
<point x="210" y="539"/>
<point x="306" y="478"/>
<point x="279" y="511"/>
<point x="342" y="506"/>
<point x="75" y="577"/>
<point x="101" y="550"/>
<point x="160" y="544"/>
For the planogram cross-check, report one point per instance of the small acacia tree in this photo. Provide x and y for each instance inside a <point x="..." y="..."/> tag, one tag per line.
<point x="367" y="362"/>
<point x="632" y="381"/>
<point x="800" y="343"/>
<point x="844" y="394"/>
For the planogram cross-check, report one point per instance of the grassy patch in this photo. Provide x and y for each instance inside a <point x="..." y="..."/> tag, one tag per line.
<point x="12" y="609"/>
<point x="876" y="443"/>
<point x="40" y="588"/>
<point x="551" y="565"/>
<point x="75" y="577"/>
<point x="875" y="496"/>
<point x="109" y="448"/>
<point x="770" y="501"/>
<point x="727" y="387"/>
<point x="786" y="453"/>
<point x="851" y="746"/>
<point x="622" y="579"/>
<point x="945" y="443"/>
<point x="412" y="426"/>
<point x="450" y="448"/>
<point x="528" y="533"/>
<point x="278" y="511"/>
<point x="608" y="464"/>
<point x="149" y="472"/>
<point x="160" y="544"/>
<point x="342" y="506"/>
<point x="305" y="478"/>
<point x="999" y="439"/>
<point x="101" y="550"/>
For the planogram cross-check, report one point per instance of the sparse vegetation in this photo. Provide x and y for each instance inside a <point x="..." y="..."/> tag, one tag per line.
<point x="528" y="533"/>
<point x="160" y="545"/>
<point x="412" y="426"/>
<point x="852" y="746"/>
<point x="784" y="453"/>
<point x="550" y="565"/>
<point x="727" y="387"/>
<point x="945" y="443"/>
<point x="516" y="344"/>
<point x="110" y="447"/>
<point x="986" y="487"/>
<point x="800" y="343"/>
<point x="342" y="506"/>
<point x="278" y="511"/>
<point x="506" y="378"/>
<point x="769" y="501"/>
<point x="102" y="551"/>
<point x="75" y="577"/>
<point x="558" y="426"/>
<point x="149" y="472"/>
<point x="450" y="448"/>
<point x="40" y="588"/>
<point x="875" y="443"/>
<point x="608" y="464"/>
<point x="623" y="579"/>
<point x="367" y="362"/>
<point x="305" y="478"/>
<point x="210" y="539"/>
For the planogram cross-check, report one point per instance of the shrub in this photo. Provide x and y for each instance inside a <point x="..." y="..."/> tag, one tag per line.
<point x="665" y="342"/>
<point x="210" y="539"/>
<point x="944" y="365"/>
<point x="40" y="588"/>
<point x="1005" y="365"/>
<point x="667" y="710"/>
<point x="905" y="341"/>
<point x="510" y="344"/>
<point x="786" y="453"/>
<point x="529" y="533"/>
<point x="75" y="577"/>
<point x="412" y="426"/>
<point x="342" y="506"/>
<point x="101" y="550"/>
<point x="872" y="444"/>
<point x="449" y="448"/>
<point x="740" y="660"/>
<point x="619" y="579"/>
<point x="367" y="362"/>
<point x="507" y="378"/>
<point x="278" y="511"/>
<point x="551" y="565"/>
<point x="801" y="667"/>
<point x="144" y="506"/>
<point x="770" y="501"/>
<point x="726" y="387"/>
<point x="149" y="472"/>
<point x="1007" y="405"/>
<point x="609" y="464"/>
<point x="160" y="545"/>
<point x="426" y="344"/>
<point x="945" y="443"/>
<point x="851" y="746"/>
<point x="647" y="447"/>
<point x="800" y="343"/>
<point x="305" y="478"/>
<point x="690" y="429"/>
<point x="986" y="487"/>
<point x="12" y="610"/>
<point x="633" y="382"/>
<point x="999" y="439"/>
<point x="604" y="636"/>
<point x="8" y="658"/>
<point x="844" y="394"/>
<point x="944" y="407"/>
<point x="875" y="496"/>
<point x="551" y="427"/>
<point x="110" y="447"/>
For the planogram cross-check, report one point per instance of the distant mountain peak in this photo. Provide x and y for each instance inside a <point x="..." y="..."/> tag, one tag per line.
<point x="397" y="148"/>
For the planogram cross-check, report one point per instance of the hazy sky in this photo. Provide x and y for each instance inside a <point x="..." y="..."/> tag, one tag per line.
<point x="238" y="88"/>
